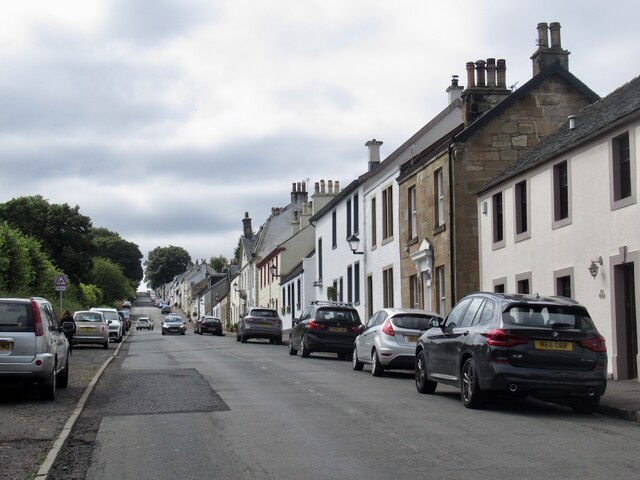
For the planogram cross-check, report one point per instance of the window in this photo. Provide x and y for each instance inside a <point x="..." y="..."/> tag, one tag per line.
<point x="561" y="193"/>
<point x="522" y="215"/>
<point x="387" y="213"/>
<point x="349" y="284"/>
<point x="440" y="289"/>
<point x="621" y="167"/>
<point x="356" y="282"/>
<point x="523" y="286"/>
<point x="471" y="312"/>
<point x="373" y="222"/>
<point x="356" y="214"/>
<point x="413" y="292"/>
<point x="369" y="295"/>
<point x="498" y="218"/>
<point x="320" y="259"/>
<point x="348" y="218"/>
<point x="498" y="288"/>
<point x="334" y="233"/>
<point x="563" y="286"/>
<point x="439" y="198"/>
<point x="341" y="291"/>
<point x="411" y="213"/>
<point x="455" y="316"/>
<point x="387" y="288"/>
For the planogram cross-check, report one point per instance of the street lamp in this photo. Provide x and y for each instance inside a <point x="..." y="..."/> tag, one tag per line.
<point x="274" y="271"/>
<point x="593" y="268"/>
<point x="354" y="243"/>
<point x="235" y="286"/>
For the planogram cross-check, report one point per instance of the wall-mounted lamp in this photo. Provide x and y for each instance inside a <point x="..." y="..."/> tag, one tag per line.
<point x="354" y="243"/>
<point x="593" y="268"/>
<point x="235" y="286"/>
<point x="274" y="271"/>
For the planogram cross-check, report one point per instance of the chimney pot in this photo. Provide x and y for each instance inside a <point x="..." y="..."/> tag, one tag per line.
<point x="501" y="68"/>
<point x="454" y="90"/>
<point x="543" y="36"/>
<point x="471" y="82"/>
<point x="330" y="186"/>
<point x="374" y="152"/>
<point x="480" y="73"/>
<point x="555" y="35"/>
<point x="316" y="188"/>
<point x="322" y="186"/>
<point x="572" y="122"/>
<point x="336" y="188"/>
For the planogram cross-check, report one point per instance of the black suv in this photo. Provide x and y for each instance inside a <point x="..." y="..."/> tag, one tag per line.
<point x="325" y="327"/>
<point x="522" y="344"/>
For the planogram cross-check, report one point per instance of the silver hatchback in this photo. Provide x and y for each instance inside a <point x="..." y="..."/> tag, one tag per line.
<point x="388" y="340"/>
<point x="33" y="347"/>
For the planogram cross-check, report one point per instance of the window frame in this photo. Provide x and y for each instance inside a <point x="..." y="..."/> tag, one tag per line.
<point x="387" y="214"/>
<point x="412" y="213"/>
<point x="561" y="174"/>
<point x="618" y="198"/>
<point x="497" y="220"/>
<point x="521" y="211"/>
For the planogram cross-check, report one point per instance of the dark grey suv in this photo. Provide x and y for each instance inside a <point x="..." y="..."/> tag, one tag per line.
<point x="520" y="344"/>
<point x="325" y="327"/>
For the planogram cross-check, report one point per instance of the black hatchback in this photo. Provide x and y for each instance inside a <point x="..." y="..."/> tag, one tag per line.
<point x="325" y="327"/>
<point x="520" y="344"/>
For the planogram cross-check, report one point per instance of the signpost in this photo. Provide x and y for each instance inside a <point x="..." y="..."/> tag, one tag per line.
<point x="60" y="282"/>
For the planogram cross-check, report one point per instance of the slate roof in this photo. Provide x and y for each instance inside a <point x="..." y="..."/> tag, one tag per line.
<point x="334" y="201"/>
<point x="616" y="108"/>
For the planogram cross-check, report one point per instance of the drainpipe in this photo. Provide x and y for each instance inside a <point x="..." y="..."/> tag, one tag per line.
<point x="452" y="228"/>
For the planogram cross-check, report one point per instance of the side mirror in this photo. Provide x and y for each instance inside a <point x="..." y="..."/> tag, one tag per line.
<point x="435" y="323"/>
<point x="67" y="327"/>
<point x="109" y="322"/>
<point x="361" y="328"/>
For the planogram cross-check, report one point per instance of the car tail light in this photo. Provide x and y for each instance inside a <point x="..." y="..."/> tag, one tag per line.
<point x="387" y="328"/>
<point x="278" y="321"/>
<point x="356" y="329"/>
<point x="103" y="328"/>
<point x="249" y="319"/>
<point x="312" y="325"/>
<point x="502" y="338"/>
<point x="37" y="319"/>
<point x="597" y="344"/>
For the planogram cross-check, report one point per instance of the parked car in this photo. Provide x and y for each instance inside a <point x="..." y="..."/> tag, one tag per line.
<point x="91" y="327"/>
<point x="33" y="347"/>
<point x="209" y="324"/>
<point x="126" y="304"/>
<point x="388" y="340"/>
<point x="116" y="327"/>
<point x="166" y="308"/>
<point x="125" y="318"/>
<point x="173" y="324"/>
<point x="521" y="344"/>
<point x="260" y="322"/>
<point x="144" y="323"/>
<point x="325" y="327"/>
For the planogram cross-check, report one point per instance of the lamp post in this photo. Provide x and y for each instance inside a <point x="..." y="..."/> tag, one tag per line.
<point x="354" y="243"/>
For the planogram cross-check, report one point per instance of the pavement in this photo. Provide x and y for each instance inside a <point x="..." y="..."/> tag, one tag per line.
<point x="621" y="400"/>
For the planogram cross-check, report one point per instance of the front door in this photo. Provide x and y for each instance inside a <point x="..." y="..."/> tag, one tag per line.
<point x="626" y="320"/>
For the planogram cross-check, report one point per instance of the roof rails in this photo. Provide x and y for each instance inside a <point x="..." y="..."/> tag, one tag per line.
<point x="331" y="303"/>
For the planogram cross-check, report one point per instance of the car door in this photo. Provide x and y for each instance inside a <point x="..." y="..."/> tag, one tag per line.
<point x="458" y="338"/>
<point x="367" y="337"/>
<point x="57" y="339"/>
<point x="296" y="332"/>
<point x="437" y="342"/>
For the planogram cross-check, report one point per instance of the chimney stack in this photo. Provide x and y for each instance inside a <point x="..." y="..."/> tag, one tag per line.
<point x="246" y="226"/>
<point x="454" y="90"/>
<point x="486" y="87"/>
<point x="547" y="55"/>
<point x="298" y="193"/>
<point x="374" y="153"/>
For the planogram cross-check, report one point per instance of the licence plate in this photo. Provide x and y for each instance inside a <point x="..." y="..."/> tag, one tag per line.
<point x="87" y="329"/>
<point x="554" y="345"/>
<point x="265" y="324"/>
<point x="5" y="346"/>
<point x="411" y="338"/>
<point x="337" y="329"/>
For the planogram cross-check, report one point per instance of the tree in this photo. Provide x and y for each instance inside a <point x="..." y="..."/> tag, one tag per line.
<point x="108" y="277"/>
<point x="218" y="263"/>
<point x="110" y="245"/>
<point x="237" y="251"/>
<point x="61" y="229"/>
<point x="164" y="263"/>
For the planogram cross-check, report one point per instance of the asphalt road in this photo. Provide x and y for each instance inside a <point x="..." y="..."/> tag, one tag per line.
<point x="193" y="407"/>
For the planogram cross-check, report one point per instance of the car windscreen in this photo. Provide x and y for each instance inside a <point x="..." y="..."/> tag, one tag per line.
<point x="551" y="316"/>
<point x="413" y="321"/>
<point x="15" y="317"/>
<point x="87" y="317"/>
<point x="264" y="313"/>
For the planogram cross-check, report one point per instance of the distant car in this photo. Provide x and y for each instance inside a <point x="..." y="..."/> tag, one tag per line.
<point x="143" y="323"/>
<point x="33" y="347"/>
<point x="126" y="304"/>
<point x="325" y="327"/>
<point x="91" y="327"/>
<point x="388" y="340"/>
<point x="116" y="327"/>
<point x="166" y="308"/>
<point x="125" y="318"/>
<point x="522" y="344"/>
<point x="260" y="323"/>
<point x="173" y="324"/>
<point x="209" y="324"/>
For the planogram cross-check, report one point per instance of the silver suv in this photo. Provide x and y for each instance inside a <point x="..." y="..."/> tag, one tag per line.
<point x="33" y="347"/>
<point x="116" y="327"/>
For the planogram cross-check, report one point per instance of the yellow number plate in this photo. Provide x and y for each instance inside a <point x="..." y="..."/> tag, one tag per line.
<point x="87" y="329"/>
<point x="411" y="338"/>
<point x="5" y="346"/>
<point x="337" y="329"/>
<point x="554" y="345"/>
<point x="265" y="324"/>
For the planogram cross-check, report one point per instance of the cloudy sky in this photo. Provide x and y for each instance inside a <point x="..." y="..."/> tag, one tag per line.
<point x="166" y="120"/>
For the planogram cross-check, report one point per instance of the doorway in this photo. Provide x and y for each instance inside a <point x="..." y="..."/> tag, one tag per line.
<point x="627" y="325"/>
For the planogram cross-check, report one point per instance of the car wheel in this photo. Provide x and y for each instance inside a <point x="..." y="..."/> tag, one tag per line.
<point x="278" y="341"/>
<point x="423" y="384"/>
<point x="63" y="378"/>
<point x="292" y="351"/>
<point x="48" y="389"/>
<point x="355" y="363"/>
<point x="163" y="332"/>
<point x="237" y="337"/>
<point x="304" y="349"/>
<point x="105" y="345"/>
<point x="585" y="404"/>
<point x="377" y="370"/>
<point x="243" y="338"/>
<point x="472" y="396"/>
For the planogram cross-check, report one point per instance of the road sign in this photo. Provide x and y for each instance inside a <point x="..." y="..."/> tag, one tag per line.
<point x="60" y="283"/>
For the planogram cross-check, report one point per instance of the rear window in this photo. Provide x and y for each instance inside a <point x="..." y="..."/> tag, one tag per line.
<point x="111" y="315"/>
<point x="548" y="316"/>
<point x="15" y="317"/>
<point x="338" y="315"/>
<point x="413" y="322"/>
<point x="264" y="313"/>
<point x="87" y="317"/>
